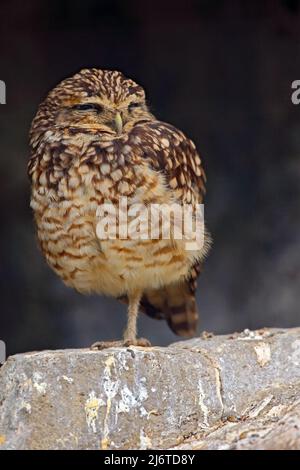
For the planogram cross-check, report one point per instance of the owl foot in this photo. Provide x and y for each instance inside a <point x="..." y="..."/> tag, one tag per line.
<point x="143" y="342"/>
<point x="100" y="345"/>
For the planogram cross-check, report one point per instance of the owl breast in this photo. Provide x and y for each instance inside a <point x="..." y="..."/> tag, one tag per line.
<point x="67" y="236"/>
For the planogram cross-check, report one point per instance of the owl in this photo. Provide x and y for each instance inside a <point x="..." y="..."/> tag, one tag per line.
<point x="94" y="141"/>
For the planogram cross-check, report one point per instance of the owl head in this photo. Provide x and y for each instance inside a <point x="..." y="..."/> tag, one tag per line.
<point x="101" y="101"/>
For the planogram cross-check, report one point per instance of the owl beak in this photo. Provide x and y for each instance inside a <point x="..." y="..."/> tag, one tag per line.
<point x="118" y="123"/>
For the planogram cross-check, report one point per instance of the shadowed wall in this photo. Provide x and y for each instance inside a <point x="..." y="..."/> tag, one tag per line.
<point x="219" y="70"/>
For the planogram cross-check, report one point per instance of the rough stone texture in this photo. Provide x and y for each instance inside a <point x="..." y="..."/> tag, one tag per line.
<point x="226" y="392"/>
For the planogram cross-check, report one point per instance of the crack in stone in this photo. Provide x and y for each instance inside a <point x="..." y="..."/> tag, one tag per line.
<point x="215" y="365"/>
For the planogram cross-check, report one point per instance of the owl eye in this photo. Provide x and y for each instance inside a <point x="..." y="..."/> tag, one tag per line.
<point x="88" y="107"/>
<point x="132" y="106"/>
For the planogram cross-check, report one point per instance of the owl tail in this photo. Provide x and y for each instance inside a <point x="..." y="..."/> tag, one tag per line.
<point x="176" y="304"/>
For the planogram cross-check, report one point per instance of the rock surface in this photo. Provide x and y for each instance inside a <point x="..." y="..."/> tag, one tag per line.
<point x="224" y="392"/>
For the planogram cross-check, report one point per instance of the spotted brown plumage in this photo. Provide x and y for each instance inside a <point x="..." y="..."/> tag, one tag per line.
<point x="94" y="140"/>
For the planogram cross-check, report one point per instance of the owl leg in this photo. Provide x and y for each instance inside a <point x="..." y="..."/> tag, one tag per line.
<point x="130" y="338"/>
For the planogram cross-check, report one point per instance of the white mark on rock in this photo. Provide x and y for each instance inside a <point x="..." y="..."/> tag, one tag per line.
<point x="223" y="447"/>
<point x="130" y="400"/>
<point x="122" y="361"/>
<point x="219" y="386"/>
<point x="296" y="353"/>
<point x="144" y="412"/>
<point x="263" y="353"/>
<point x="66" y="379"/>
<point x="110" y="389"/>
<point x="25" y="383"/>
<point x="145" y="441"/>
<point x="259" y="407"/>
<point x="202" y="404"/>
<point x="91" y="407"/>
<point x="25" y="406"/>
<point x="248" y="335"/>
<point x="41" y="387"/>
<point x="110" y="386"/>
<point x="276" y="411"/>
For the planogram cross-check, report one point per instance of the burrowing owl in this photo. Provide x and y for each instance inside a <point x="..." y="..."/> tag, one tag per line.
<point x="94" y="140"/>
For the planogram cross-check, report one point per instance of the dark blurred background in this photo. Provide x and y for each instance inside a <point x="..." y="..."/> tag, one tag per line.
<point x="221" y="70"/>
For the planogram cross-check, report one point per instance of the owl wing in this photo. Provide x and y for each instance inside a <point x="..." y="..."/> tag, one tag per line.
<point x="177" y="158"/>
<point x="172" y="153"/>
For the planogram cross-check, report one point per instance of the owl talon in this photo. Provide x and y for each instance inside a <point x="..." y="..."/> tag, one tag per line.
<point x="143" y="342"/>
<point x="100" y="345"/>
